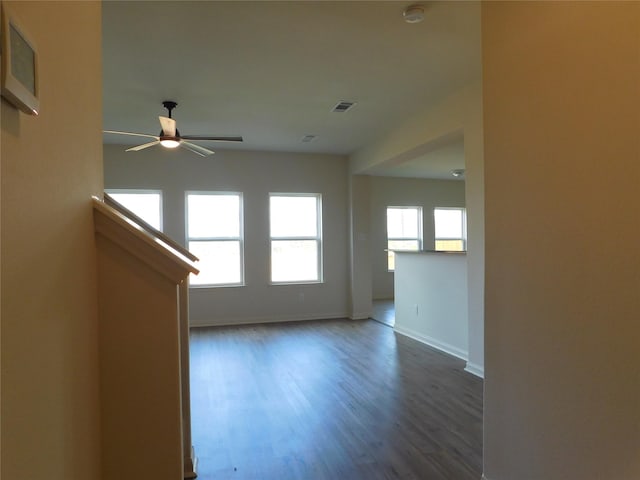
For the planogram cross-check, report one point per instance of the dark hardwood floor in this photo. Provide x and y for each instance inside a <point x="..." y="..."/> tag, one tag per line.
<point x="338" y="400"/>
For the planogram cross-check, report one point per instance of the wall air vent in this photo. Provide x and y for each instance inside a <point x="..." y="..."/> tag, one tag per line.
<point x="308" y="138"/>
<point x="343" y="106"/>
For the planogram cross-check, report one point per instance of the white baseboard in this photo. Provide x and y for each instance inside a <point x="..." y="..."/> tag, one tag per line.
<point x="433" y="342"/>
<point x="269" y="319"/>
<point x="360" y="315"/>
<point x="475" y="369"/>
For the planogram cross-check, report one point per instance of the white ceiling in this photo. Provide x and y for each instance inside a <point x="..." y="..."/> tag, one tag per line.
<point x="272" y="71"/>
<point x="433" y="160"/>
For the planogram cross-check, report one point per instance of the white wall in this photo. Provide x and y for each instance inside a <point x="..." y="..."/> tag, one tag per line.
<point x="389" y="191"/>
<point x="50" y="166"/>
<point x="360" y="247"/>
<point x="431" y="300"/>
<point x="562" y="125"/>
<point x="458" y="113"/>
<point x="255" y="174"/>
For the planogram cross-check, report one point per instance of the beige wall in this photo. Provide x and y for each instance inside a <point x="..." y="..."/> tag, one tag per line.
<point x="397" y="192"/>
<point x="562" y="169"/>
<point x="50" y="167"/>
<point x="141" y="409"/>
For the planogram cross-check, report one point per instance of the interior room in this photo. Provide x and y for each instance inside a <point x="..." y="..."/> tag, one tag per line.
<point x="250" y="91"/>
<point x="349" y="113"/>
<point x="302" y="78"/>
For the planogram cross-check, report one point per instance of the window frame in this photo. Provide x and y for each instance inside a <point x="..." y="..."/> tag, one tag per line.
<point x="137" y="191"/>
<point x="420" y="238"/>
<point x="239" y="239"/>
<point x="445" y="239"/>
<point x="318" y="238"/>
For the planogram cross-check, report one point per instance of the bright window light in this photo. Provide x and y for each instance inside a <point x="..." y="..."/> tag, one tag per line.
<point x="146" y="204"/>
<point x="213" y="215"/>
<point x="404" y="231"/>
<point x="295" y="226"/>
<point x="450" y="229"/>
<point x="219" y="262"/>
<point x="215" y="236"/>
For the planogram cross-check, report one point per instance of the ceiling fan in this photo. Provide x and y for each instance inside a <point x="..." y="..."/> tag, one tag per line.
<point x="170" y="137"/>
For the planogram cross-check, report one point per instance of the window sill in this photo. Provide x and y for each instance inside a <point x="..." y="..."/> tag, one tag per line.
<point x="214" y="286"/>
<point x="305" y="282"/>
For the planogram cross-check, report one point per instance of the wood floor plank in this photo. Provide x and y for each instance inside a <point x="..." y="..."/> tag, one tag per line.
<point x="334" y="400"/>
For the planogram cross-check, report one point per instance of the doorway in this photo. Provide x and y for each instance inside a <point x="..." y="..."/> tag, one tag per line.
<point x="384" y="311"/>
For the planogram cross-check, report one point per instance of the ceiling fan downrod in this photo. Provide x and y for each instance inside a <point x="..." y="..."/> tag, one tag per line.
<point x="169" y="105"/>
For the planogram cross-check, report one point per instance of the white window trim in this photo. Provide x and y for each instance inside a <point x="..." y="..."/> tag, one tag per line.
<point x="239" y="239"/>
<point x="464" y="227"/>
<point x="317" y="238"/>
<point x="116" y="191"/>
<point x="420" y="238"/>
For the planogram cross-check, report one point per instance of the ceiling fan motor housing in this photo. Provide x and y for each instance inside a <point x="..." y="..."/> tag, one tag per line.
<point x="167" y="137"/>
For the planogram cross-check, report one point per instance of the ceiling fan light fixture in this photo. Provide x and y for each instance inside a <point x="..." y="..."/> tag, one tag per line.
<point x="169" y="143"/>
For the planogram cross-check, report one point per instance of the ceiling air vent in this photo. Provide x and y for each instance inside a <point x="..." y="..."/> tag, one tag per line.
<point x="343" y="106"/>
<point x="308" y="138"/>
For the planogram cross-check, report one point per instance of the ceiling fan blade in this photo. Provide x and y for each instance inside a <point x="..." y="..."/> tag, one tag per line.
<point x="143" y="146"/>
<point x="212" y="138"/>
<point x="168" y="126"/>
<point x="196" y="149"/>
<point x="130" y="133"/>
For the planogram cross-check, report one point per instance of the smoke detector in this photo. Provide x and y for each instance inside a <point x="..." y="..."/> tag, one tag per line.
<point x="413" y="14"/>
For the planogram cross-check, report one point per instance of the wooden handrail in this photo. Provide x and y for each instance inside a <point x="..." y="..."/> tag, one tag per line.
<point x="109" y="200"/>
<point x="131" y="236"/>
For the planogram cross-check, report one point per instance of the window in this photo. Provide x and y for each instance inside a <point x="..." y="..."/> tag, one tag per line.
<point x="146" y="204"/>
<point x="296" y="238"/>
<point x="214" y="235"/>
<point x="450" y="229"/>
<point x="404" y="231"/>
